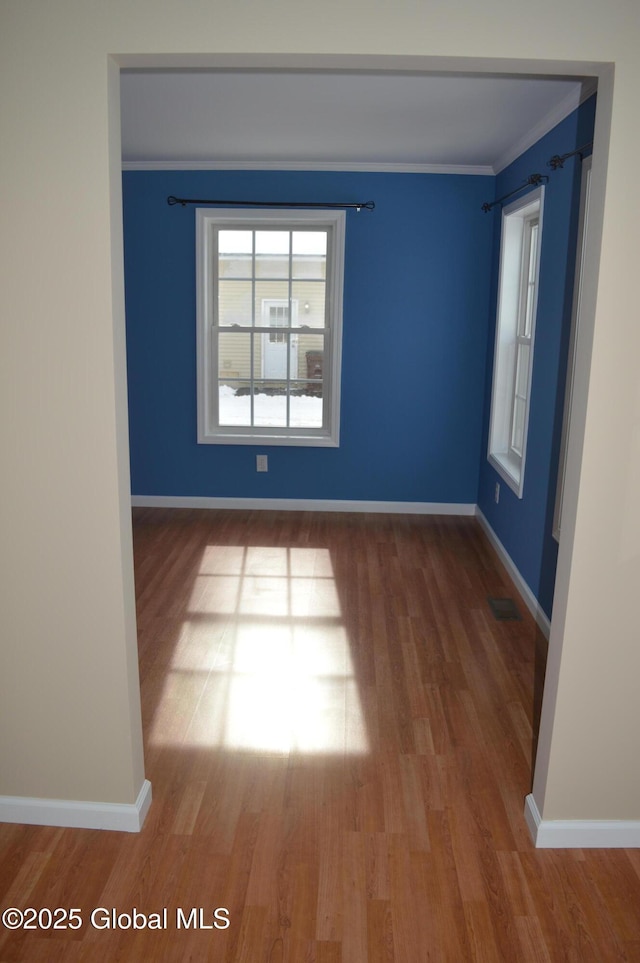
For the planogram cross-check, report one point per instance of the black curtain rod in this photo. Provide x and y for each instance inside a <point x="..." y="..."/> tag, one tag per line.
<point x="533" y="180"/>
<point x="367" y="205"/>
<point x="555" y="162"/>
<point x="558" y="161"/>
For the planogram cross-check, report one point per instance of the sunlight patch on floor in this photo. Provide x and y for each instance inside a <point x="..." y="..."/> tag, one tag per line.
<point x="263" y="659"/>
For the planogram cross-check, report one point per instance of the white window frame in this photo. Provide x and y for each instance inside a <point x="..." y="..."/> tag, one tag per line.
<point x="208" y="221"/>
<point x="513" y="335"/>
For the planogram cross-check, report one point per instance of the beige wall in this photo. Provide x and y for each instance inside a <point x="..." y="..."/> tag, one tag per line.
<point x="69" y="698"/>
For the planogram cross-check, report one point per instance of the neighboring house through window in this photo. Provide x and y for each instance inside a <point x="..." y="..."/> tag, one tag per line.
<point x="515" y="333"/>
<point x="269" y="326"/>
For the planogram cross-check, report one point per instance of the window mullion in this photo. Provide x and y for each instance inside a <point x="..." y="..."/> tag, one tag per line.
<point x="522" y="339"/>
<point x="214" y="359"/>
<point x="252" y="353"/>
<point x="290" y="334"/>
<point x="524" y="280"/>
<point x="512" y="419"/>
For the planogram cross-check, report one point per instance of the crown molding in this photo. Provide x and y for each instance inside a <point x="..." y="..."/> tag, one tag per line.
<point x="566" y="106"/>
<point x="366" y="167"/>
<point x="562" y="110"/>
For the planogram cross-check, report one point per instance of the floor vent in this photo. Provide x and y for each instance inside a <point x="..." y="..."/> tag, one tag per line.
<point x="504" y="609"/>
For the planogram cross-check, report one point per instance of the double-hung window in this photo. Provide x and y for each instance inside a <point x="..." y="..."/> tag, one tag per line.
<point x="515" y="332"/>
<point x="269" y="326"/>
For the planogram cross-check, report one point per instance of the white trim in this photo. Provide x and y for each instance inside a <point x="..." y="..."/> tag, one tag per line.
<point x="583" y="221"/>
<point x="302" y="505"/>
<point x="528" y="597"/>
<point x="122" y="817"/>
<point x="580" y="833"/>
<point x="515" y="220"/>
<point x="209" y="431"/>
<point x="262" y="437"/>
<point x="509" y="469"/>
<point x="364" y="167"/>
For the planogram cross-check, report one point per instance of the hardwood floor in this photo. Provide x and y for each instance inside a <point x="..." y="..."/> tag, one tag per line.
<point x="339" y="737"/>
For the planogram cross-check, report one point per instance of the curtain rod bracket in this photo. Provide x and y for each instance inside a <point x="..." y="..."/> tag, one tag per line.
<point x="557" y="161"/>
<point x="533" y="180"/>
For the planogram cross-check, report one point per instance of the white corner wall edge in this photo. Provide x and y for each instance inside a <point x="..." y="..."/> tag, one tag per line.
<point x="303" y="505"/>
<point x="528" y="597"/>
<point x="121" y="817"/>
<point x="580" y="833"/>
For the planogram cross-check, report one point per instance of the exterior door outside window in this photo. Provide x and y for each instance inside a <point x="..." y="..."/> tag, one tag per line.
<point x="277" y="344"/>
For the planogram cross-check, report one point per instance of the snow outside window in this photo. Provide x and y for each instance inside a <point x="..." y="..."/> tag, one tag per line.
<point x="269" y="326"/>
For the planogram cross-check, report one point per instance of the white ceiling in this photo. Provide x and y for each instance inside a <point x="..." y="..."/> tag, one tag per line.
<point x="242" y="118"/>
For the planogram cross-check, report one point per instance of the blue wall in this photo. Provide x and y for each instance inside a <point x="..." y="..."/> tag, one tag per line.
<point x="417" y="284"/>
<point x="421" y="278"/>
<point x="524" y="526"/>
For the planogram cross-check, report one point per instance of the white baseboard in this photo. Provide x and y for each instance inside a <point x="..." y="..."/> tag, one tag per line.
<point x="122" y="817"/>
<point x="303" y="505"/>
<point x="528" y="597"/>
<point x="580" y="833"/>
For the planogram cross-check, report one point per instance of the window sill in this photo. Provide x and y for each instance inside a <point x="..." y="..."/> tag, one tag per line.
<point x="292" y="441"/>
<point x="510" y="470"/>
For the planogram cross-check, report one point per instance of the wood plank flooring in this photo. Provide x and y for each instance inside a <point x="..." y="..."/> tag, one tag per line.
<point x="340" y="738"/>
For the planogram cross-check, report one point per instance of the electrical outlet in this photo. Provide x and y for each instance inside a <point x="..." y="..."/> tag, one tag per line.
<point x="497" y="495"/>
<point x="262" y="463"/>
